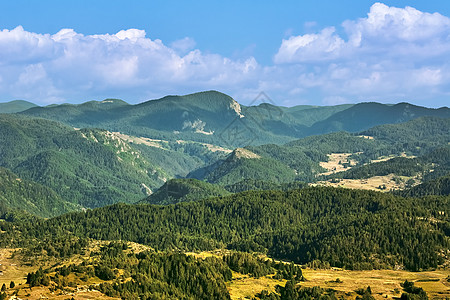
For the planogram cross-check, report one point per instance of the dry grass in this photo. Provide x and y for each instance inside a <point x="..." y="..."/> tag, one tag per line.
<point x="218" y="253"/>
<point x="13" y="269"/>
<point x="336" y="163"/>
<point x="372" y="183"/>
<point x="382" y="282"/>
<point x="245" y="287"/>
<point x="140" y="140"/>
<point x="385" y="158"/>
<point x="45" y="293"/>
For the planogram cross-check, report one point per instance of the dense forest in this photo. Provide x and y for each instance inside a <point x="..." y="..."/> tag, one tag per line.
<point x="90" y="168"/>
<point x="22" y="194"/>
<point x="299" y="160"/>
<point x="322" y="226"/>
<point x="181" y="190"/>
<point x="439" y="186"/>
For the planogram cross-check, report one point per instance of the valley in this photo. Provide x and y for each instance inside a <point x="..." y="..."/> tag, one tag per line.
<point x="108" y="200"/>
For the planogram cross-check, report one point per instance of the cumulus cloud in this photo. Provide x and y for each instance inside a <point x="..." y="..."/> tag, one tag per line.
<point x="325" y="45"/>
<point x="183" y="45"/>
<point x="393" y="54"/>
<point x="44" y="67"/>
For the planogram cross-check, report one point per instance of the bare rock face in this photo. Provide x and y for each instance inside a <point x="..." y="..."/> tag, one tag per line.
<point x="244" y="153"/>
<point x="236" y="107"/>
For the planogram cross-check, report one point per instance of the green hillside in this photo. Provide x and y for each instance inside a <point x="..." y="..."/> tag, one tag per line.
<point x="333" y="227"/>
<point x="439" y="186"/>
<point x="428" y="166"/>
<point x="363" y="116"/>
<point x="244" y="164"/>
<point x="215" y="118"/>
<point x="87" y="167"/>
<point x="184" y="190"/>
<point x="20" y="194"/>
<point x="15" y="106"/>
<point x="299" y="160"/>
<point x="262" y="185"/>
<point x="399" y="166"/>
<point x="94" y="167"/>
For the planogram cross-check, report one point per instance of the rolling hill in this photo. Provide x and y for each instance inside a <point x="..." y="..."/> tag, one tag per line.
<point x="300" y="160"/>
<point x="15" y="106"/>
<point x="184" y="190"/>
<point x="143" y="146"/>
<point x="215" y="118"/>
<point x="34" y="198"/>
<point x="88" y="167"/>
<point x="337" y="227"/>
<point x="363" y="116"/>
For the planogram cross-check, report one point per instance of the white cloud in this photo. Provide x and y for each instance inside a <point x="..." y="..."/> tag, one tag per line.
<point x="325" y="45"/>
<point x="183" y="45"/>
<point x="392" y="54"/>
<point x="126" y="64"/>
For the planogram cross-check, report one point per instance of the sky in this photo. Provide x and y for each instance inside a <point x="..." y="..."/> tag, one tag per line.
<point x="322" y="52"/>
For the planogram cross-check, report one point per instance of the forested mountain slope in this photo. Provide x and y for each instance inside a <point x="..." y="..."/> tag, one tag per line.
<point x="87" y="167"/>
<point x="299" y="160"/>
<point x="366" y="115"/>
<point x="25" y="195"/>
<point x="340" y="227"/>
<point x="15" y="106"/>
<point x="439" y="186"/>
<point x="183" y="190"/>
<point x="216" y="118"/>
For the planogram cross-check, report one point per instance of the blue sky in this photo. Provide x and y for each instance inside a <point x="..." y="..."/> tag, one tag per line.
<point x="298" y="52"/>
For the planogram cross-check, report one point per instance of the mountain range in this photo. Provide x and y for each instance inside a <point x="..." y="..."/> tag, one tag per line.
<point x="185" y="196"/>
<point x="216" y="118"/>
<point x="103" y="152"/>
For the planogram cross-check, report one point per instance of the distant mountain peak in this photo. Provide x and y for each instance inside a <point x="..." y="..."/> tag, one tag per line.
<point x="107" y="103"/>
<point x="113" y="101"/>
<point x="15" y="106"/>
<point x="244" y="153"/>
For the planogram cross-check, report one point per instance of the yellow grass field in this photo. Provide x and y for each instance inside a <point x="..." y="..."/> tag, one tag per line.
<point x="385" y="284"/>
<point x="12" y="269"/>
<point x="245" y="287"/>
<point x="336" y="163"/>
<point x="372" y="183"/>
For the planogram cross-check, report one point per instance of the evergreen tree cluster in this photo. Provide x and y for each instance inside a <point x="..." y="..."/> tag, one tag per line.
<point x="38" y="278"/>
<point x="291" y="291"/>
<point x="354" y="229"/>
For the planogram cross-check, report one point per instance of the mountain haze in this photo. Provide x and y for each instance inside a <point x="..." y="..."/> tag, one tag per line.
<point x="215" y="118"/>
<point x="15" y="106"/>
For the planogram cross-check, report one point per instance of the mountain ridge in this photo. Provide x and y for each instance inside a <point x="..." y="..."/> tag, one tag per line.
<point x="15" y="106"/>
<point x="216" y="118"/>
